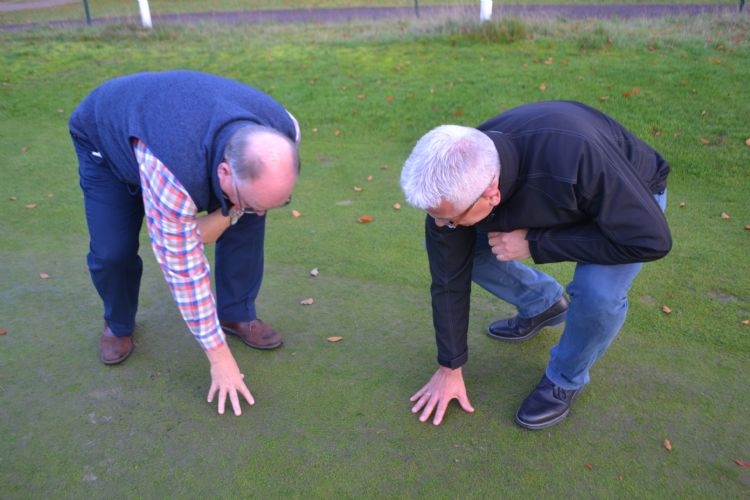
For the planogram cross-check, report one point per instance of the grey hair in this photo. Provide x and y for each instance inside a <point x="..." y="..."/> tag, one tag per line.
<point x="449" y="163"/>
<point x="244" y="159"/>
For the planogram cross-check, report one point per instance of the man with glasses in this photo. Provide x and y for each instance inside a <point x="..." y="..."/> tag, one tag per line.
<point x="169" y="146"/>
<point x="554" y="181"/>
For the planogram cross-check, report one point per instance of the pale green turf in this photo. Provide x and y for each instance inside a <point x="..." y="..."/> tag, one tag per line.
<point x="333" y="419"/>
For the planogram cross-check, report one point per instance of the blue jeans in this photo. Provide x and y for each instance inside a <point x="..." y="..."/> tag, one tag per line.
<point x="598" y="305"/>
<point x="114" y="213"/>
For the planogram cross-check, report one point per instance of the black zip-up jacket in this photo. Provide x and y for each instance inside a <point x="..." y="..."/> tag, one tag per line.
<point x="580" y="183"/>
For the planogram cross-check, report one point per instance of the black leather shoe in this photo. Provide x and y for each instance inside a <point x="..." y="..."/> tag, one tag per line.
<point x="517" y="329"/>
<point x="546" y="406"/>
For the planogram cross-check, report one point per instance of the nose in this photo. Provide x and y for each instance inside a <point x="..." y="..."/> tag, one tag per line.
<point x="440" y="222"/>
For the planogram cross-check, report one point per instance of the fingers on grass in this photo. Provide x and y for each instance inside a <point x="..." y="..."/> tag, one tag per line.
<point x="212" y="392"/>
<point x="428" y="409"/>
<point x="246" y="394"/>
<point x="463" y="400"/>
<point x="222" y="400"/>
<point x="235" y="402"/>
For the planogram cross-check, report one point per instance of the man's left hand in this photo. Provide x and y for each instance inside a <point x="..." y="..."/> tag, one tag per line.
<point x="510" y="246"/>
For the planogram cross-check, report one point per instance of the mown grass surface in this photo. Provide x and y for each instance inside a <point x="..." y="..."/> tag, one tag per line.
<point x="333" y="419"/>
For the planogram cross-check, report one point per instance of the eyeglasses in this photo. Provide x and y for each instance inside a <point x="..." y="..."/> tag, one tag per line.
<point x="453" y="222"/>
<point x="250" y="210"/>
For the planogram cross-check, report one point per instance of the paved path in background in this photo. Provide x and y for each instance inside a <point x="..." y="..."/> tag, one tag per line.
<point x="41" y="4"/>
<point x="333" y="15"/>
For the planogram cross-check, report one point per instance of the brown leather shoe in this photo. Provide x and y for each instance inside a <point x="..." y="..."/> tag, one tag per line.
<point x="254" y="333"/>
<point x="113" y="349"/>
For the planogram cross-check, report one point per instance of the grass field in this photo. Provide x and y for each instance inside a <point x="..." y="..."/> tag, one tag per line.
<point x="111" y="8"/>
<point x="334" y="419"/>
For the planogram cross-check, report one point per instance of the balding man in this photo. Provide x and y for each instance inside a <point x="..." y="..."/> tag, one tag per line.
<point x="172" y="145"/>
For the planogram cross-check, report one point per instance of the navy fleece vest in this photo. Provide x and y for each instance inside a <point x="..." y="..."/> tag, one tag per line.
<point x="184" y="117"/>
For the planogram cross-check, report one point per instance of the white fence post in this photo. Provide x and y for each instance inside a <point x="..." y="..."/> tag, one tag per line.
<point x="485" y="10"/>
<point x="145" y="14"/>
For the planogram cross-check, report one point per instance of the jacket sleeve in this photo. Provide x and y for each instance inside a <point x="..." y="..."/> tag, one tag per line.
<point x="625" y="223"/>
<point x="450" y="253"/>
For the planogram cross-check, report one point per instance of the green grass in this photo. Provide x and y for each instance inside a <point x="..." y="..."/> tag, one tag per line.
<point x="111" y="8"/>
<point x="334" y="419"/>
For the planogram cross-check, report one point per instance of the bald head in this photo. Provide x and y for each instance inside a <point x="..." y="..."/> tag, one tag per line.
<point x="255" y="150"/>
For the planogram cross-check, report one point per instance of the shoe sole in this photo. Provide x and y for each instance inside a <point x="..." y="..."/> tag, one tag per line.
<point x="229" y="331"/>
<point x="555" y="421"/>
<point x="554" y="320"/>
<point x="118" y="360"/>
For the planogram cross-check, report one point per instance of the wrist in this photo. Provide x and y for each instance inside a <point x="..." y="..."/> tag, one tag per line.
<point x="219" y="354"/>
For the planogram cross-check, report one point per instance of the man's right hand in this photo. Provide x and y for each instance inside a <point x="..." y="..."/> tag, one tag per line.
<point x="445" y="385"/>
<point x="227" y="379"/>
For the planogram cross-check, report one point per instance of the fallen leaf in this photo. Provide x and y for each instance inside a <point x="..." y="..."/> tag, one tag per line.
<point x="543" y="87"/>
<point x="705" y="141"/>
<point x="666" y="309"/>
<point x="589" y="467"/>
<point x="50" y="195"/>
<point x="311" y="81"/>
<point x="635" y="91"/>
<point x="604" y="98"/>
<point x="667" y="445"/>
<point x="651" y="48"/>
<point x="656" y="132"/>
<point x="389" y="98"/>
<point x="724" y="215"/>
<point x="747" y="141"/>
<point x="677" y="133"/>
<point x="682" y="204"/>
<point x="296" y="213"/>
<point x="358" y="189"/>
<point x="458" y="112"/>
<point x="315" y="130"/>
<point x="620" y="478"/>
<point x="337" y="133"/>
<point x="745" y="322"/>
<point x="24" y="149"/>
<point x="548" y="60"/>
<point x="13" y="198"/>
<point x="361" y="97"/>
<point x="564" y="62"/>
<point x="364" y="219"/>
<point x="44" y="276"/>
<point x="3" y="332"/>
<point x="307" y="302"/>
<point x="344" y="203"/>
<point x="344" y="87"/>
<point x="30" y="205"/>
<point x="397" y="206"/>
<point x="744" y="465"/>
<point x="369" y="178"/>
<point x="384" y="167"/>
<point x="409" y="95"/>
<point x="314" y="272"/>
<point x="626" y="94"/>
<point x="60" y="110"/>
<point x="747" y="227"/>
<point x="334" y="339"/>
<point x="683" y="82"/>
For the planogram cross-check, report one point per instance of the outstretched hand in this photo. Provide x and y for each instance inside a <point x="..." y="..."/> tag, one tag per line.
<point x="445" y="385"/>
<point x="226" y="379"/>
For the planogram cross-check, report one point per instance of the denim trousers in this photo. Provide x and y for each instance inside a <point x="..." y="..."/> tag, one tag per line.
<point x="114" y="214"/>
<point x="598" y="305"/>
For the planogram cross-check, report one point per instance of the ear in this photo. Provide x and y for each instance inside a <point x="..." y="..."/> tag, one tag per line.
<point x="493" y="193"/>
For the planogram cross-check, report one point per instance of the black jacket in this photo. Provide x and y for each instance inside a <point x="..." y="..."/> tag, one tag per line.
<point x="578" y="181"/>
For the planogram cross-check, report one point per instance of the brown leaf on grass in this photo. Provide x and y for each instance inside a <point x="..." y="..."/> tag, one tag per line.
<point x="24" y="149"/>
<point x="307" y="302"/>
<point x="745" y="322"/>
<point x="311" y="81"/>
<point x="30" y="206"/>
<point x="543" y="87"/>
<point x="3" y="331"/>
<point x="682" y="204"/>
<point x="397" y="206"/>
<point x="666" y="309"/>
<point x="635" y="91"/>
<point x="44" y="276"/>
<point x="747" y="227"/>
<point x="334" y="339"/>
<point x="667" y="445"/>
<point x="548" y="60"/>
<point x="626" y="94"/>
<point x="389" y="98"/>
<point x="361" y="97"/>
<point x="747" y="141"/>
<point x="744" y="465"/>
<point x="384" y="167"/>
<point x="705" y="141"/>
<point x="296" y="213"/>
<point x="458" y="112"/>
<point x="651" y="48"/>
<point x="589" y="467"/>
<point x="410" y="95"/>
<point x="369" y="178"/>
<point x="344" y="87"/>
<point x="564" y="62"/>
<point x="620" y="478"/>
<point x="656" y="132"/>
<point x="724" y="215"/>
<point x="314" y="272"/>
<point x="337" y="133"/>
<point x="683" y="82"/>
<point x="358" y="189"/>
<point x="315" y="130"/>
<point x="604" y="98"/>
<point x="364" y="219"/>
<point x="12" y="198"/>
<point x="677" y="133"/>
<point x="50" y="195"/>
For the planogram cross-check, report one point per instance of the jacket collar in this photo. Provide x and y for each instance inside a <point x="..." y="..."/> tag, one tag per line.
<point x="508" y="163"/>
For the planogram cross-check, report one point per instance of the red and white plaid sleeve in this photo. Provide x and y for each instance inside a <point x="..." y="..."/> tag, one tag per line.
<point x="171" y="217"/>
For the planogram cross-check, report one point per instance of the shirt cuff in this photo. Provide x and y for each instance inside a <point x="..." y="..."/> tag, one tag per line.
<point x="456" y="362"/>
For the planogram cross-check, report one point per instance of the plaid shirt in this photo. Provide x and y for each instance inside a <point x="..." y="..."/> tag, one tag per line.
<point x="171" y="217"/>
